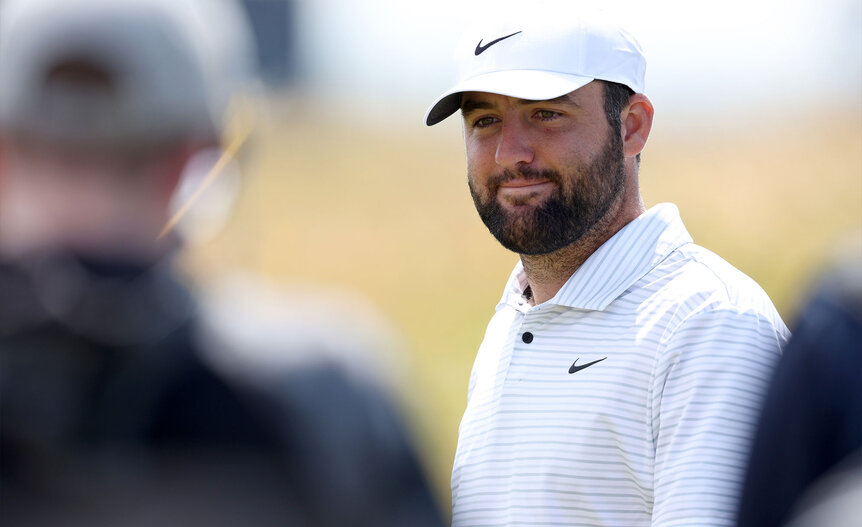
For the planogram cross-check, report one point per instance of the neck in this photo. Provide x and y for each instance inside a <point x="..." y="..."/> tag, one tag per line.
<point x="547" y="273"/>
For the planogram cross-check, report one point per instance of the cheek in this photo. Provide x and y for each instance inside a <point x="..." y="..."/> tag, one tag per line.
<point x="480" y="156"/>
<point x="576" y="154"/>
<point x="477" y="179"/>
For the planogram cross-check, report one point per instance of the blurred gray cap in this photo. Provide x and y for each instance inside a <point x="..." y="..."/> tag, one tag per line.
<point x="121" y="72"/>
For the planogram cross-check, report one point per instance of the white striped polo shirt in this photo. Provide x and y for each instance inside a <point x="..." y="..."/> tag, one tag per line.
<point x="671" y="349"/>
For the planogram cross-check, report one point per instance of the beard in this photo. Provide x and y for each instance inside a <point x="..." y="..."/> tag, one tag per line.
<point x="579" y="202"/>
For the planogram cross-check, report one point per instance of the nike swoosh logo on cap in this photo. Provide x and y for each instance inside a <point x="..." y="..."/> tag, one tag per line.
<point x="480" y="48"/>
<point x="576" y="368"/>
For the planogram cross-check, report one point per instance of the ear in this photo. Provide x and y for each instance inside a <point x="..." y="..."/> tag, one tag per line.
<point x="636" y="124"/>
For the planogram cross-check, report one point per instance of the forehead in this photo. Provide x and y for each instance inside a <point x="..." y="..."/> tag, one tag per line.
<point x="586" y="96"/>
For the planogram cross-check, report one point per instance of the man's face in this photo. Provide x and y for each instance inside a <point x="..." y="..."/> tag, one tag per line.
<point x="542" y="173"/>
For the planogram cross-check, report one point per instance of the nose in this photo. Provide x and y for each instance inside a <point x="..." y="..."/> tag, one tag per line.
<point x="513" y="146"/>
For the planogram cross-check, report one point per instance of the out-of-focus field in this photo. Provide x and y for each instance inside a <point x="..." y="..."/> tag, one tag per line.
<point x="384" y="211"/>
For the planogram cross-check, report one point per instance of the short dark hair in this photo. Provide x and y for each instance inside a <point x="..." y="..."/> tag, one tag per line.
<point x="616" y="98"/>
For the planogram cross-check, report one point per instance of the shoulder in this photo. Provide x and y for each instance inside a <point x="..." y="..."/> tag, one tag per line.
<point x="327" y="363"/>
<point x="701" y="282"/>
<point x="326" y="358"/>
<point x="696" y="299"/>
<point x="249" y="326"/>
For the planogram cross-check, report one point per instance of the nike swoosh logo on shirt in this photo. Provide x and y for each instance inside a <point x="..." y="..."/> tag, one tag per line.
<point x="480" y="48"/>
<point x="575" y="368"/>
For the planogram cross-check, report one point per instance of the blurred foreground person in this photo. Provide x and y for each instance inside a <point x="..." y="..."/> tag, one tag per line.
<point x="125" y="399"/>
<point x="806" y="462"/>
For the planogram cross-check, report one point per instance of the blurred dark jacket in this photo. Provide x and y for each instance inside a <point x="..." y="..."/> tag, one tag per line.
<point x="812" y="416"/>
<point x="111" y="415"/>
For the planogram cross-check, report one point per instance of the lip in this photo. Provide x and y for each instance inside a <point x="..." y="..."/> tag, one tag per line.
<point x="524" y="183"/>
<point x="524" y="192"/>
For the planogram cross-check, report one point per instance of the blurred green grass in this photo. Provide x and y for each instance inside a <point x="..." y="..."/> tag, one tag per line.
<point x="380" y="207"/>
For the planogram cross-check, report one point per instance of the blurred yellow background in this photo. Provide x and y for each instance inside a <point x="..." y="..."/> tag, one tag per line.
<point x="380" y="207"/>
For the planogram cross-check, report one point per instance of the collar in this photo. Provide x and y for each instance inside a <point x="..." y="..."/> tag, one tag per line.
<point x="615" y="266"/>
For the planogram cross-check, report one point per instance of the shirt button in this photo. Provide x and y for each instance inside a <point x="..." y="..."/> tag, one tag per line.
<point x="527" y="337"/>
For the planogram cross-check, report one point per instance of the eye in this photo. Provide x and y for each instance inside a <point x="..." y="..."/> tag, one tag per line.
<point x="546" y="115"/>
<point x="484" y="122"/>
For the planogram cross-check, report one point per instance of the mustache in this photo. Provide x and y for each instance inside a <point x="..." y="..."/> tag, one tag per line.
<point x="525" y="173"/>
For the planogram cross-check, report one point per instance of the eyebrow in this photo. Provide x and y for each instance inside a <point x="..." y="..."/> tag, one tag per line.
<point x="469" y="105"/>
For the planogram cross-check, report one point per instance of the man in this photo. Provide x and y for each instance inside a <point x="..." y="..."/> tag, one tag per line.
<point x="125" y="399"/>
<point x="621" y="374"/>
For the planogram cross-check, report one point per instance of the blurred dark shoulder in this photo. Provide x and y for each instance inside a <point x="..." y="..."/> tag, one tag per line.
<point x="115" y="399"/>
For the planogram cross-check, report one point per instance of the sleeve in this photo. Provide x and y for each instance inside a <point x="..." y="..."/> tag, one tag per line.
<point x="708" y="388"/>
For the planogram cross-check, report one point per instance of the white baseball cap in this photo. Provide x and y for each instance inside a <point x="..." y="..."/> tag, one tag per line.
<point x="170" y="67"/>
<point x="538" y="62"/>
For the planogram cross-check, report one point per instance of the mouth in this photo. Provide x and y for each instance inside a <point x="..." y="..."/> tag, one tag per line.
<point x="524" y="183"/>
<point x="524" y="191"/>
